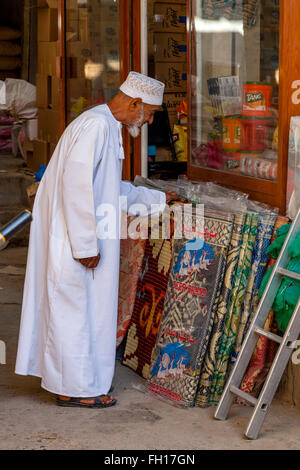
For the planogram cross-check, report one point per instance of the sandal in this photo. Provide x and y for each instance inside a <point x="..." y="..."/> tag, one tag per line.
<point x="97" y="402"/>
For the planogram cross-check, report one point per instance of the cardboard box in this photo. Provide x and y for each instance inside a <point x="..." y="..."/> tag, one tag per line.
<point x="78" y="49"/>
<point x="71" y="4"/>
<point x="27" y="145"/>
<point x="47" y="57"/>
<point x="48" y="129"/>
<point x="168" y="1"/>
<point x="110" y="80"/>
<point x="108" y="13"/>
<point x="48" y="3"/>
<point x="72" y="30"/>
<point x="52" y="149"/>
<point x="169" y="47"/>
<point x="78" y="87"/>
<point x="163" y="154"/>
<point x="47" y="24"/>
<point x="173" y="75"/>
<point x="47" y="92"/>
<point x="55" y="94"/>
<point x="167" y="17"/>
<point x="171" y="100"/>
<point x="43" y="90"/>
<point x="39" y="155"/>
<point x="104" y="33"/>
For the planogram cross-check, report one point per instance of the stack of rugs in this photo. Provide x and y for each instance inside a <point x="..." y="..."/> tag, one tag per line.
<point x="194" y="298"/>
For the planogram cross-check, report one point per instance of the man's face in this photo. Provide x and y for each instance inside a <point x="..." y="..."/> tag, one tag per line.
<point x="139" y="115"/>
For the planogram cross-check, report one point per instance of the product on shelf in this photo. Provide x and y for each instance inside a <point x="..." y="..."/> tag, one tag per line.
<point x="255" y="133"/>
<point x="231" y="132"/>
<point x="257" y="99"/>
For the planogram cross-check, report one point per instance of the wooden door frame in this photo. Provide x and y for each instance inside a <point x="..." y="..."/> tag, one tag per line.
<point x="61" y="64"/>
<point x="125" y="49"/>
<point x="136" y="66"/>
<point x="271" y="192"/>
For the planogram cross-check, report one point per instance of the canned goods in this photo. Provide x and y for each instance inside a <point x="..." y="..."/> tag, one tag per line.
<point x="231" y="133"/>
<point x="255" y="133"/>
<point x="257" y="99"/>
<point x="259" y="168"/>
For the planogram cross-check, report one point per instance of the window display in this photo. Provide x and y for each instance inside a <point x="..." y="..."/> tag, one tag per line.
<point x="167" y="62"/>
<point x="234" y="57"/>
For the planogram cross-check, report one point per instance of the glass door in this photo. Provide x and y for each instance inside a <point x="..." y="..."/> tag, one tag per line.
<point x="234" y="93"/>
<point x="93" y="53"/>
<point x="97" y="44"/>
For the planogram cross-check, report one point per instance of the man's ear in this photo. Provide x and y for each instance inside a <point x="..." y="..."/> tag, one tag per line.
<point x="135" y="104"/>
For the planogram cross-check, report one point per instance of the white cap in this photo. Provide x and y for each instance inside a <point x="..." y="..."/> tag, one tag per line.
<point x="137" y="85"/>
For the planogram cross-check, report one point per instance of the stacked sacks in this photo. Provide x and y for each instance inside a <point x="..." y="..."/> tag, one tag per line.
<point x="10" y="52"/>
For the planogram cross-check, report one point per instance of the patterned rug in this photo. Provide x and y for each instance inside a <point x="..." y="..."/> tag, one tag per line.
<point x="209" y="363"/>
<point x="148" y="304"/>
<point x="131" y="257"/>
<point x="265" y="229"/>
<point x="235" y="307"/>
<point x="192" y="297"/>
<point x="265" y="350"/>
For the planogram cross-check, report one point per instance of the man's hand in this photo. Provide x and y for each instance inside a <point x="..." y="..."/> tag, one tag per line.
<point x="90" y="263"/>
<point x="172" y="196"/>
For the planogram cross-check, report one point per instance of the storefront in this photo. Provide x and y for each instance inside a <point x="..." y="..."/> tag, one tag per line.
<point x="230" y="70"/>
<point x="233" y="63"/>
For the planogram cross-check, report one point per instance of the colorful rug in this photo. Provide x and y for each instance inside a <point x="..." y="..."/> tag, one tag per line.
<point x="265" y="350"/>
<point x="235" y="307"/>
<point x="148" y="304"/>
<point x="265" y="229"/>
<point x="209" y="363"/>
<point x="195" y="283"/>
<point x="131" y="257"/>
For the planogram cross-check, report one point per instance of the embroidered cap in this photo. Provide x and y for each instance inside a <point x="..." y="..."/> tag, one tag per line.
<point x="137" y="85"/>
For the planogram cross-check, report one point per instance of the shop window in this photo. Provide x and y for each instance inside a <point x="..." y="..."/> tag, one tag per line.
<point x="234" y="86"/>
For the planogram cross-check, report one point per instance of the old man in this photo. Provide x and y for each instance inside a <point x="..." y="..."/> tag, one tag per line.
<point x="69" y="312"/>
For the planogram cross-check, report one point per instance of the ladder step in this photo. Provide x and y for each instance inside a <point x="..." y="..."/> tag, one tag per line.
<point x="245" y="396"/>
<point x="268" y="334"/>
<point x="286" y="272"/>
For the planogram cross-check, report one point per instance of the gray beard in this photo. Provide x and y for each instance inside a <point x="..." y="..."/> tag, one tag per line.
<point x="134" y="131"/>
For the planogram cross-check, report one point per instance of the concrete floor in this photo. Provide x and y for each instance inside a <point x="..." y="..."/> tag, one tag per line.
<point x="30" y="419"/>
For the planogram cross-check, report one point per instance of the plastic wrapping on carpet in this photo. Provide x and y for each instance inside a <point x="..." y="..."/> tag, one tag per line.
<point x="192" y="296"/>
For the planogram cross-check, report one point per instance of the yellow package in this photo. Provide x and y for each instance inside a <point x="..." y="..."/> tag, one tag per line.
<point x="180" y="142"/>
<point x="275" y="140"/>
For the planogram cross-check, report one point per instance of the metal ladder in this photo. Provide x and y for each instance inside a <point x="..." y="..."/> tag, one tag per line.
<point x="287" y="344"/>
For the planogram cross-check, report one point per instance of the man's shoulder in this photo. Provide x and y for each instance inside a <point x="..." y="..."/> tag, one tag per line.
<point x="96" y="114"/>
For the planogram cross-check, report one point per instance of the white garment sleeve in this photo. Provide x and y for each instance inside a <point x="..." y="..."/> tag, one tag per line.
<point x="153" y="201"/>
<point x="77" y="191"/>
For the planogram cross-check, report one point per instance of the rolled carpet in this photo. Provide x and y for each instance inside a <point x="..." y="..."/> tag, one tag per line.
<point x="195" y="281"/>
